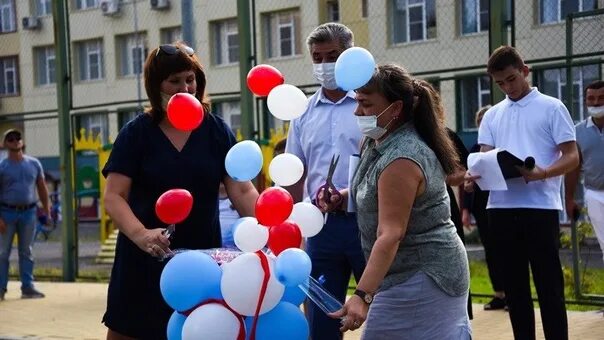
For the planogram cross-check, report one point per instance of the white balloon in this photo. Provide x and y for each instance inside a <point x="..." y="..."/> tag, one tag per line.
<point x="308" y="217"/>
<point x="211" y="321"/>
<point x="286" y="169"/>
<point x="286" y="102"/>
<point x="250" y="236"/>
<point x="242" y="281"/>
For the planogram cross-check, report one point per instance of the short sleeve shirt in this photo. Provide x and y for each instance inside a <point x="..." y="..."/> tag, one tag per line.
<point x="143" y="153"/>
<point x="18" y="180"/>
<point x="532" y="126"/>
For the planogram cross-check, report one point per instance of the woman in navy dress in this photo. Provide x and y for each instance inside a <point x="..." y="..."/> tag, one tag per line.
<point x="149" y="157"/>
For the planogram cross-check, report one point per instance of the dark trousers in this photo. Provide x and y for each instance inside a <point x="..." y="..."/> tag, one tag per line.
<point x="492" y="257"/>
<point x="335" y="253"/>
<point x="530" y="237"/>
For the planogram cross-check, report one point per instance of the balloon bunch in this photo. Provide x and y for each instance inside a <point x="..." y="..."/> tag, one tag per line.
<point x="252" y="294"/>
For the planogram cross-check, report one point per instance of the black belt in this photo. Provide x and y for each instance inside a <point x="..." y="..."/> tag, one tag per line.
<point x="18" y="207"/>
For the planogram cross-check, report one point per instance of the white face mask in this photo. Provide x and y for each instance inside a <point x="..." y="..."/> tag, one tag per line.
<point x="596" y="111"/>
<point x="325" y="75"/>
<point x="369" y="127"/>
<point x="165" y="98"/>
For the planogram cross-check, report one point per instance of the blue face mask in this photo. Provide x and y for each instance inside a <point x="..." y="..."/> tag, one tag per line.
<point x="369" y="127"/>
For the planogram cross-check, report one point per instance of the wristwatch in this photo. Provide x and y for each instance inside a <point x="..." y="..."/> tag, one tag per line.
<point x="367" y="297"/>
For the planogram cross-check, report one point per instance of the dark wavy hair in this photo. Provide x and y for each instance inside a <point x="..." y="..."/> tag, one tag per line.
<point x="419" y="106"/>
<point x="159" y="66"/>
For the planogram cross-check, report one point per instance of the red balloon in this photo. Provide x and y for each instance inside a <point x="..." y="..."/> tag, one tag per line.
<point x="174" y="205"/>
<point x="274" y="205"/>
<point x="185" y="111"/>
<point x="263" y="78"/>
<point x="284" y="236"/>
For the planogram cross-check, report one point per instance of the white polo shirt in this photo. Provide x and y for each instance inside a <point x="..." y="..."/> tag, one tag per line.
<point x="533" y="126"/>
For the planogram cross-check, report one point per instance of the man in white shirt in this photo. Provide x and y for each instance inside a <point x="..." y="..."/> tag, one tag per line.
<point x="524" y="218"/>
<point x="590" y="140"/>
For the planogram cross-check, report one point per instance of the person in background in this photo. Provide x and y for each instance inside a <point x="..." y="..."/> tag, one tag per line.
<point x="524" y="217"/>
<point x="328" y="128"/>
<point x="590" y="140"/>
<point x="416" y="282"/>
<point x="149" y="157"/>
<point x="475" y="203"/>
<point x="20" y="177"/>
<point x="228" y="218"/>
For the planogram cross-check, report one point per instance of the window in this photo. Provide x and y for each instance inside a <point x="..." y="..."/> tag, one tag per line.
<point x="85" y="4"/>
<point x="231" y="113"/>
<point x="7" y="16"/>
<point x="281" y="30"/>
<point x="557" y="10"/>
<point x="170" y="35"/>
<point x="226" y="42"/>
<point x="43" y="7"/>
<point x="474" y="93"/>
<point x="9" y="76"/>
<point x="333" y="11"/>
<point x="413" y="20"/>
<point x="474" y="16"/>
<point x="133" y="52"/>
<point x="90" y="60"/>
<point x="553" y="82"/>
<point x="126" y="115"/>
<point x="45" y="65"/>
<point x="96" y="124"/>
<point x="364" y="9"/>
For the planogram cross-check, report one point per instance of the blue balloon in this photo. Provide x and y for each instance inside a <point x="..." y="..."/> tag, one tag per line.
<point x="244" y="160"/>
<point x="175" y="324"/>
<point x="189" y="278"/>
<point x="354" y="68"/>
<point x="292" y="267"/>
<point x="293" y="295"/>
<point x="285" y="321"/>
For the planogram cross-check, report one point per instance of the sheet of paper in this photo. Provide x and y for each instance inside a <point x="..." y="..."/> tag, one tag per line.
<point x="485" y="165"/>
<point x="353" y="163"/>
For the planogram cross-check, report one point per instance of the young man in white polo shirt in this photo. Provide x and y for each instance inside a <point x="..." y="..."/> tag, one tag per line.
<point x="524" y="218"/>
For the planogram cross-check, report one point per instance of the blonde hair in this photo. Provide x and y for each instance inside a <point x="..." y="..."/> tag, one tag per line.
<point x="480" y="113"/>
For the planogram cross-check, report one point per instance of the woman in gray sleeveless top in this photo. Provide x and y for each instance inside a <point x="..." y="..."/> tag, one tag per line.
<point x="415" y="285"/>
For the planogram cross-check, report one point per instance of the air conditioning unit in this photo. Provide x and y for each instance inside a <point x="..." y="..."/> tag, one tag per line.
<point x="110" y="7"/>
<point x="159" y="5"/>
<point x="31" y="23"/>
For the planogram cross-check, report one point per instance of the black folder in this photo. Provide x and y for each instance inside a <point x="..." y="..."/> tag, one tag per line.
<point x="508" y="163"/>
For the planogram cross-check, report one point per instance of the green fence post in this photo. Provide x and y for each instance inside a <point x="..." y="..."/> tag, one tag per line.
<point x="498" y="35"/>
<point x="69" y="240"/>
<point x="245" y="64"/>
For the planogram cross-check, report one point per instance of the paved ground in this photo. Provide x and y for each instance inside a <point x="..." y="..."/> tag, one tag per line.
<point x="74" y="310"/>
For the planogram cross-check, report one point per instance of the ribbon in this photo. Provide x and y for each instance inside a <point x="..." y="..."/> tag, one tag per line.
<point x="267" y="275"/>
<point x="241" y="335"/>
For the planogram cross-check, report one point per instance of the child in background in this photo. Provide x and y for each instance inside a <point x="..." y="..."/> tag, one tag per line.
<point x="228" y="216"/>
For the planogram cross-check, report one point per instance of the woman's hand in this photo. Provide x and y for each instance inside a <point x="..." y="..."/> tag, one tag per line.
<point x="153" y="242"/>
<point x="353" y="313"/>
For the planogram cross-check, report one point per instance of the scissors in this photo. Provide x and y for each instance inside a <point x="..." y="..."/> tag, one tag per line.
<point x="328" y="188"/>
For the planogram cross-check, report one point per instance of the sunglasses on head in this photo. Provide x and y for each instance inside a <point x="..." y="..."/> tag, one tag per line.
<point x="170" y="49"/>
<point x="11" y="139"/>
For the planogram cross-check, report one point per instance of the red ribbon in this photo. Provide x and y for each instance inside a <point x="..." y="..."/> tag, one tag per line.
<point x="241" y="335"/>
<point x="267" y="275"/>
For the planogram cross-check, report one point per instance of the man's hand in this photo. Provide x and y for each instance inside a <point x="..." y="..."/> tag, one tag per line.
<point x="535" y="174"/>
<point x="469" y="180"/>
<point x="2" y="226"/>
<point x="571" y="208"/>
